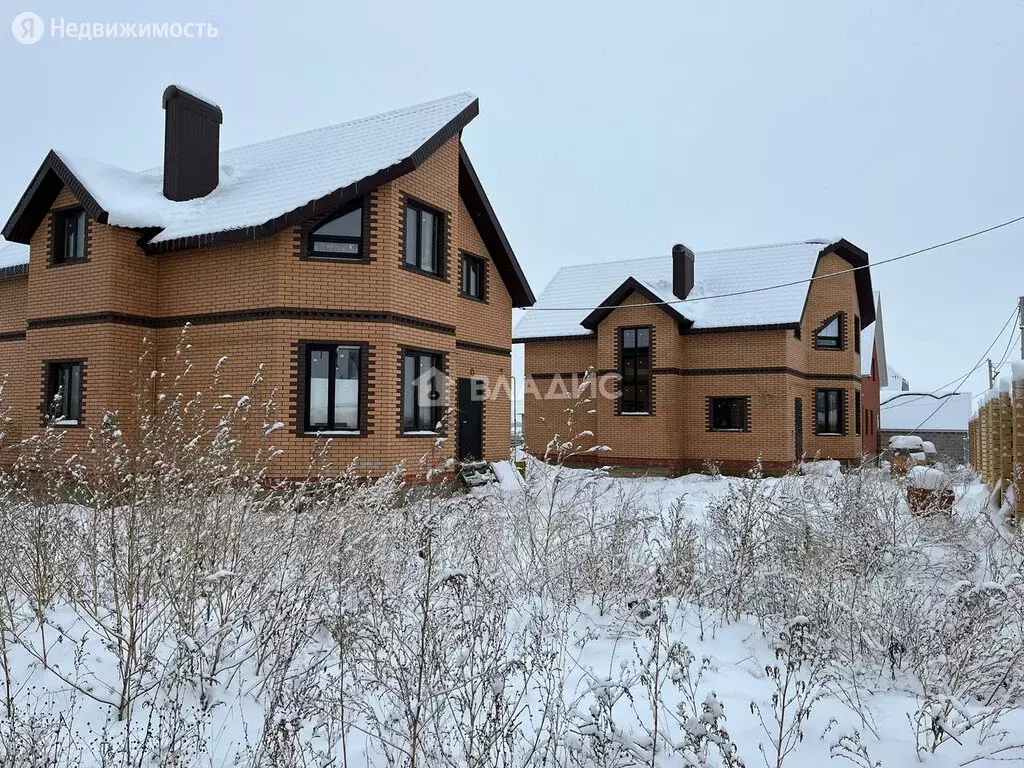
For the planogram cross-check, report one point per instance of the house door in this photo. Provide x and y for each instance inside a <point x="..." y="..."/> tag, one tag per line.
<point x="798" y="427"/>
<point x="471" y="420"/>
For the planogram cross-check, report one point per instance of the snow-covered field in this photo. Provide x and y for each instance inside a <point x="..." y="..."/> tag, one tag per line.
<point x="573" y="619"/>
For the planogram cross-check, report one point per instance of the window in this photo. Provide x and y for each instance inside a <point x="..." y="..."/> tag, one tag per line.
<point x="333" y="388"/>
<point x="829" y="412"/>
<point x="797" y="334"/>
<point x="339" y="238"/>
<point x="423" y="238"/>
<point x="68" y="236"/>
<point x="64" y="392"/>
<point x="729" y="414"/>
<point x="473" y="276"/>
<point x="422" y="391"/>
<point x="856" y="410"/>
<point x="635" y="368"/>
<point x="830" y="335"/>
<point x="856" y="334"/>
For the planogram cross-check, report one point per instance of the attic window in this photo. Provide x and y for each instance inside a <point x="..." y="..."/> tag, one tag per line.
<point x="68" y="236"/>
<point x="830" y="335"/>
<point x="856" y="334"/>
<point x="424" y="239"/>
<point x="339" y="238"/>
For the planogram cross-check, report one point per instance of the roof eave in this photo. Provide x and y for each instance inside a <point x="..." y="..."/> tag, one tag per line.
<point x="331" y="201"/>
<point x="53" y="174"/>
<point x="857" y="257"/>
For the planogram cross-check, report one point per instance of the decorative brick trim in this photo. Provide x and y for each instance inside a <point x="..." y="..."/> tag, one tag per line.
<point x="243" y="316"/>
<point x="402" y="350"/>
<point x="297" y="387"/>
<point x="368" y="204"/>
<point x="444" y="218"/>
<point x="484" y="276"/>
<point x="472" y="346"/>
<point x="722" y="372"/>
<point x="708" y="421"/>
<point x="842" y="333"/>
<point x="44" y="406"/>
<point x="51" y="244"/>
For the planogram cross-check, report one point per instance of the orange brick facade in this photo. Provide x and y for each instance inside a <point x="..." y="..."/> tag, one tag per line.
<point x="771" y="368"/>
<point x="255" y="302"/>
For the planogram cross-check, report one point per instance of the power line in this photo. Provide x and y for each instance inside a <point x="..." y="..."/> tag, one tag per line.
<point x="882" y="406"/>
<point x="984" y="356"/>
<point x="747" y="291"/>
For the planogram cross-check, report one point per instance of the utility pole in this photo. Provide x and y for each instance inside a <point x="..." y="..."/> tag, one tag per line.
<point x="991" y="374"/>
<point x="1020" y="317"/>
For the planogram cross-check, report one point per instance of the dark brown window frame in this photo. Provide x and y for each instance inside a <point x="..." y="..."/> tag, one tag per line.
<point x="361" y="256"/>
<point x="306" y="348"/>
<point x="858" y="416"/>
<point x="621" y="409"/>
<point x="50" y="388"/>
<point x="57" y="257"/>
<point x="840" y="339"/>
<point x="440" y="238"/>
<point x="418" y="430"/>
<point x="818" y="430"/>
<point x="744" y="399"/>
<point x="481" y="262"/>
<point x="856" y="334"/>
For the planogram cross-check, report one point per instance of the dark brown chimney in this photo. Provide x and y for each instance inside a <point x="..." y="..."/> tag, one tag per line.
<point x="191" y="145"/>
<point x="682" y="270"/>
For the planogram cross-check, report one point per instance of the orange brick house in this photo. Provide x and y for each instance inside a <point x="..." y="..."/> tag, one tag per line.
<point x="705" y="364"/>
<point x="356" y="262"/>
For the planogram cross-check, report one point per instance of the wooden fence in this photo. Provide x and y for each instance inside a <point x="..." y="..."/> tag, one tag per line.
<point x="996" y="437"/>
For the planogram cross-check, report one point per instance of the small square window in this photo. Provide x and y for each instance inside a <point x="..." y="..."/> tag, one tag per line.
<point x="69" y="236"/>
<point x="64" y="393"/>
<point x="729" y="414"/>
<point x="473" y="271"/>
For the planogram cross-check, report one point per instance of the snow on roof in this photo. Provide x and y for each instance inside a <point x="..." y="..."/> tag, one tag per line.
<point x="12" y="254"/>
<point x="583" y="287"/>
<point x="262" y="181"/>
<point x="912" y="411"/>
<point x="196" y="94"/>
<point x="867" y="346"/>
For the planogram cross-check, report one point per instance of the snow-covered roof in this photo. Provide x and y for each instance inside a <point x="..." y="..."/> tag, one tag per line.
<point x="921" y="411"/>
<point x="583" y="287"/>
<point x="13" y="258"/>
<point x="867" y="346"/>
<point x="260" y="182"/>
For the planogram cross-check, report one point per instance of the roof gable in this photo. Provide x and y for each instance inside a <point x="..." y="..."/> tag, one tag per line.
<point x="614" y="300"/>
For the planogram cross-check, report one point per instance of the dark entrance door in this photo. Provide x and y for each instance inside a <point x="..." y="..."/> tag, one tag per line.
<point x="798" y="412"/>
<point x="471" y="420"/>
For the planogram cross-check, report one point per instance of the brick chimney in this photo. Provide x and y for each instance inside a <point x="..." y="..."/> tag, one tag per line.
<point x="191" y="145"/>
<point x="682" y="270"/>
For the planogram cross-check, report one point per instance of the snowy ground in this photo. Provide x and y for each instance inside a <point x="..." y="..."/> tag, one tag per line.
<point x="573" y="619"/>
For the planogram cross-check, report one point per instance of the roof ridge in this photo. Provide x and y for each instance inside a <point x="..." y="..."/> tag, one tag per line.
<point x="309" y="131"/>
<point x="380" y="115"/>
<point x="592" y="264"/>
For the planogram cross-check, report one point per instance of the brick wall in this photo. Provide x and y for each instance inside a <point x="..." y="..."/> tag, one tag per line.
<point x="769" y="368"/>
<point x="120" y="301"/>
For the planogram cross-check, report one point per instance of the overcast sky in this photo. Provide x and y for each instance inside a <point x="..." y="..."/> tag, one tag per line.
<point x="611" y="131"/>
